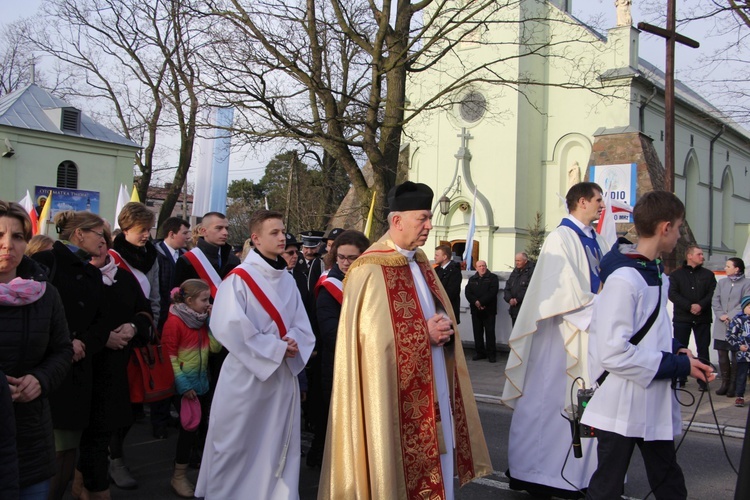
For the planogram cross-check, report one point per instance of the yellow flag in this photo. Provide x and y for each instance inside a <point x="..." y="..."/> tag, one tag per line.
<point x="44" y="216"/>
<point x="134" y="197"/>
<point x="368" y="225"/>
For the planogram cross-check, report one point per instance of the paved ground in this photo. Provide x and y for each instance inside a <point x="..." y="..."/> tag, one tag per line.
<point x="488" y="380"/>
<point x="151" y="460"/>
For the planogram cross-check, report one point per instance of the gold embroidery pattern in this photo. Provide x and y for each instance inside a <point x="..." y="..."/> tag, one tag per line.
<point x="464" y="458"/>
<point x="421" y="457"/>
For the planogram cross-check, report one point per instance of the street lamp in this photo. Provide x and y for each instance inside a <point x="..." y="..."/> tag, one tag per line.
<point x="445" y="205"/>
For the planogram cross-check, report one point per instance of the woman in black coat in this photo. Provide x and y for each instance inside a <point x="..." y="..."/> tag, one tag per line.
<point x="35" y="353"/>
<point x="80" y="286"/>
<point x="345" y="249"/>
<point x="124" y="305"/>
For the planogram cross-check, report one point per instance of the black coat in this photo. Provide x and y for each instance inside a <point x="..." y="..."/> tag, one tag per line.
<point x="484" y="289"/>
<point x="82" y="292"/>
<point x="110" y="402"/>
<point x="450" y="277"/>
<point x="184" y="270"/>
<point x="328" y="311"/>
<point x="35" y="341"/>
<point x="516" y="286"/>
<point x="8" y="454"/>
<point x="166" y="279"/>
<point x="691" y="285"/>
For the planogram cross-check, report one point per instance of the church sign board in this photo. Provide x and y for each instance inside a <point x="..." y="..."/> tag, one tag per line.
<point x="619" y="185"/>
<point x="66" y="199"/>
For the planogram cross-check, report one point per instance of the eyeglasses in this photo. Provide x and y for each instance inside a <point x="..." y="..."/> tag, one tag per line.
<point x="98" y="233"/>
<point x="348" y="258"/>
<point x="290" y="252"/>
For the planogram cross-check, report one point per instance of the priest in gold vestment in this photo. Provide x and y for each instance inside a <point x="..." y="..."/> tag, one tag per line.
<point x="403" y="420"/>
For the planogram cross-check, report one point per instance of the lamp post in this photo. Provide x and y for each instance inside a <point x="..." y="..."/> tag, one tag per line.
<point x="445" y="205"/>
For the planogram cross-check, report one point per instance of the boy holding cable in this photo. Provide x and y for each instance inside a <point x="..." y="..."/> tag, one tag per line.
<point x="634" y="404"/>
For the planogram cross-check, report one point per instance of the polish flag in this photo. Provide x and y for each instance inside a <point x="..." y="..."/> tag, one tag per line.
<point x="606" y="226"/>
<point x="28" y="205"/>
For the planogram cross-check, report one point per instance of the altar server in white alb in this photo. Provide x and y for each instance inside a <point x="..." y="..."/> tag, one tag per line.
<point x="631" y="339"/>
<point x="548" y="352"/>
<point x="253" y="445"/>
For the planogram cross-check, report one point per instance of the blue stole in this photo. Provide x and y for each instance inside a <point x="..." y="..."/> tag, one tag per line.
<point x="593" y="253"/>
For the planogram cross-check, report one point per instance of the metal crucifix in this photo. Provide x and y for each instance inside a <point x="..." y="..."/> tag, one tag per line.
<point x="671" y="36"/>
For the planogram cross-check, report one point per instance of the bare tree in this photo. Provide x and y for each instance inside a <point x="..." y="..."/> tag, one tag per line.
<point x="16" y="60"/>
<point x="137" y="58"/>
<point x="334" y="72"/>
<point x="723" y="73"/>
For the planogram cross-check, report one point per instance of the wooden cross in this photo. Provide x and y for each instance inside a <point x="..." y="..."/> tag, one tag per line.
<point x="671" y="36"/>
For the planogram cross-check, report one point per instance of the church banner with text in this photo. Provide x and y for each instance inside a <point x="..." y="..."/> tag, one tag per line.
<point x="619" y="184"/>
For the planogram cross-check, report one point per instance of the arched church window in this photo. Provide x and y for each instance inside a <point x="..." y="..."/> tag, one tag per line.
<point x="67" y="175"/>
<point x="472" y="107"/>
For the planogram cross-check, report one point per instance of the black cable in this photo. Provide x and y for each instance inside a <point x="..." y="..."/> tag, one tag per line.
<point x="690" y="423"/>
<point x="575" y="429"/>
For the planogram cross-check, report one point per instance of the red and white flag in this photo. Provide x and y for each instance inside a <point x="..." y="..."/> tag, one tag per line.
<point x="606" y="226"/>
<point x="28" y="205"/>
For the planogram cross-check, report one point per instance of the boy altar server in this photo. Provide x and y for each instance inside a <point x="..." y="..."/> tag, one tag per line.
<point x="631" y="338"/>
<point x="253" y="444"/>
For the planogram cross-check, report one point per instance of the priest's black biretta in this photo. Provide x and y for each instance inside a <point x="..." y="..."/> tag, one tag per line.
<point x="410" y="196"/>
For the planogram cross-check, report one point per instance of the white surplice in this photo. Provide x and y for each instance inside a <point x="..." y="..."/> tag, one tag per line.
<point x="549" y="346"/>
<point x="253" y="445"/>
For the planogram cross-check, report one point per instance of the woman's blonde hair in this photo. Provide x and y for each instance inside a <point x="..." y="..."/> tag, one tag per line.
<point x="39" y="243"/>
<point x="188" y="289"/>
<point x="67" y="222"/>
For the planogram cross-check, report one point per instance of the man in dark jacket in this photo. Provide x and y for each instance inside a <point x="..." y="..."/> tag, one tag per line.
<point x="449" y="273"/>
<point x="691" y="289"/>
<point x="518" y="282"/>
<point x="176" y="233"/>
<point x="213" y="245"/>
<point x="481" y="292"/>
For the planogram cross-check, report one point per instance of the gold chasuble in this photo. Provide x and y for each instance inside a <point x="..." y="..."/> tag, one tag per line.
<point x="384" y="431"/>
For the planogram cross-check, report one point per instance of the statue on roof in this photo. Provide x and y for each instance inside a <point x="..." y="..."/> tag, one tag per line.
<point x="623" y="12"/>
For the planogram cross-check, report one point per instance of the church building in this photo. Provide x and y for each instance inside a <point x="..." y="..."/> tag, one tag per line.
<point x="517" y="146"/>
<point x="47" y="144"/>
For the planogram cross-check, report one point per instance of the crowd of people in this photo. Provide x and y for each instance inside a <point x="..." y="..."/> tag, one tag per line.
<point x="360" y="337"/>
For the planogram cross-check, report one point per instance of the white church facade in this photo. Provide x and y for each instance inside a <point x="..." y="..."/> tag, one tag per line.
<point x="521" y="150"/>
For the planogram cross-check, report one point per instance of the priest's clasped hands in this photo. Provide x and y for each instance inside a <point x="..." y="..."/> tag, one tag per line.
<point x="440" y="329"/>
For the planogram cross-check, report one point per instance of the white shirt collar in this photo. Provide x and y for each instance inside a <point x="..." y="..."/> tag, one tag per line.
<point x="409" y="254"/>
<point x="174" y="251"/>
<point x="588" y="230"/>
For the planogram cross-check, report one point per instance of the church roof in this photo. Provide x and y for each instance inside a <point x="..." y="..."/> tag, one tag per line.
<point x="28" y="108"/>
<point x="688" y="96"/>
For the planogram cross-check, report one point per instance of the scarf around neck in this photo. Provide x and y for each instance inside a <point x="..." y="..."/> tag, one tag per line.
<point x="109" y="270"/>
<point x="21" y="292"/>
<point x="192" y="319"/>
<point x="593" y="253"/>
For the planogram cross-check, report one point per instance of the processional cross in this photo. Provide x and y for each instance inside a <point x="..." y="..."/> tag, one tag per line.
<point x="671" y="36"/>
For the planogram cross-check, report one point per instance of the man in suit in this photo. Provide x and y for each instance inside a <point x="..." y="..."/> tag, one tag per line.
<point x="311" y="264"/>
<point x="449" y="273"/>
<point x="176" y="233"/>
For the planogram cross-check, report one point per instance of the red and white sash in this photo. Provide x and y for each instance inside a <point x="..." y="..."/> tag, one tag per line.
<point x="263" y="299"/>
<point x="334" y="286"/>
<point x="204" y="269"/>
<point x="139" y="275"/>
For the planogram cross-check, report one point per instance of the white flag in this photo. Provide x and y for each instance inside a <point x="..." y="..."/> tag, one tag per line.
<point x="470" y="236"/>
<point x="123" y="198"/>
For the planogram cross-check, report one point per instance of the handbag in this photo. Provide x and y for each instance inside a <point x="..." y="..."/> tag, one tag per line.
<point x="150" y="374"/>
